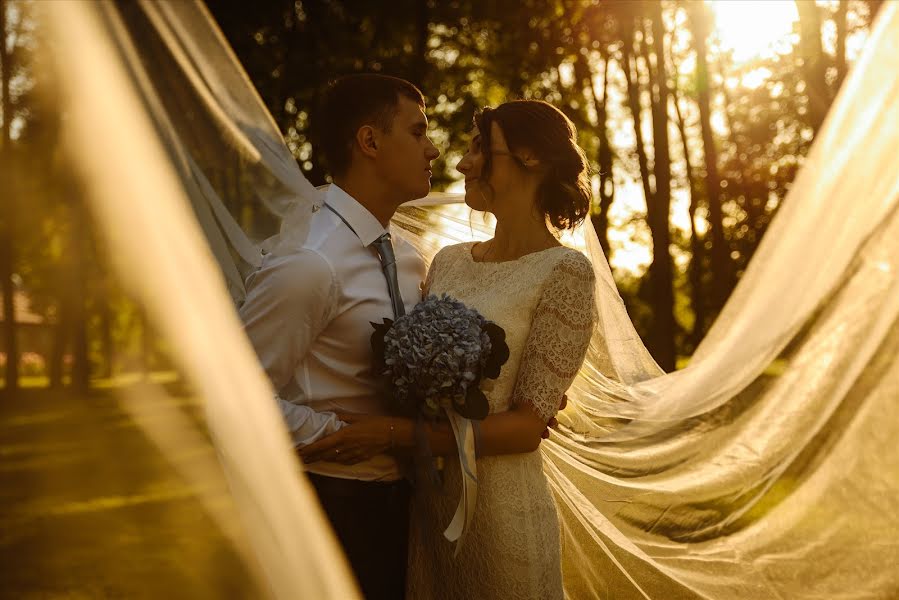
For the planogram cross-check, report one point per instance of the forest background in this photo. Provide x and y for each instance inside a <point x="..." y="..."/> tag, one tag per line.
<point x="695" y="117"/>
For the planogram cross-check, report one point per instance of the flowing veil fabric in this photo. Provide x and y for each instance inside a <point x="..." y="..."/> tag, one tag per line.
<point x="765" y="469"/>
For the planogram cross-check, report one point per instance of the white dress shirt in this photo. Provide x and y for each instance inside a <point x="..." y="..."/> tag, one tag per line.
<point x="308" y="314"/>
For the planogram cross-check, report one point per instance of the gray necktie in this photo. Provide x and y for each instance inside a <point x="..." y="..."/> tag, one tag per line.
<point x="388" y="265"/>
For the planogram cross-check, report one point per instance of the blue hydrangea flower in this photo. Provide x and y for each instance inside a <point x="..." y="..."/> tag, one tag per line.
<point x="434" y="357"/>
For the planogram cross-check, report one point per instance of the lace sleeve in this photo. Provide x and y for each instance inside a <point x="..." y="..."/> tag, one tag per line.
<point x="559" y="337"/>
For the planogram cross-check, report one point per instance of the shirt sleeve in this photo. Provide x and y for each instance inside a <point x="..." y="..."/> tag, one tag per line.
<point x="559" y="337"/>
<point x="290" y="300"/>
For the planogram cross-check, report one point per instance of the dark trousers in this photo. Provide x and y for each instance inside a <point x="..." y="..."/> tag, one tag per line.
<point x="371" y="520"/>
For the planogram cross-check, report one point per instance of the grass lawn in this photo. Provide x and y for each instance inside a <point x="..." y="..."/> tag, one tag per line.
<point x="90" y="509"/>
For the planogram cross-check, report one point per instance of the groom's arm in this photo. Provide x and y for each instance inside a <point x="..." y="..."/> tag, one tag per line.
<point x="290" y="300"/>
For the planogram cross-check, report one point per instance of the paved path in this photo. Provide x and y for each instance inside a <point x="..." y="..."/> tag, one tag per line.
<point x="90" y="509"/>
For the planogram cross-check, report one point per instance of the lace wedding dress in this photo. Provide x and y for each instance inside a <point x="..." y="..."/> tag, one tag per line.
<point x="545" y="303"/>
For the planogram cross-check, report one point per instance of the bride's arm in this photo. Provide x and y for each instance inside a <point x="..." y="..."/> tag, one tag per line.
<point x="557" y="343"/>
<point x="556" y="346"/>
<point x="511" y="432"/>
<point x="514" y="431"/>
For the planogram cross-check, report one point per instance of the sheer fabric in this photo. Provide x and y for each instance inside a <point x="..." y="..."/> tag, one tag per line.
<point x="143" y="198"/>
<point x="765" y="469"/>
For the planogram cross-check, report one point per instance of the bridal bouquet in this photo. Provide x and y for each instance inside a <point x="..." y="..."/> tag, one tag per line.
<point x="434" y="358"/>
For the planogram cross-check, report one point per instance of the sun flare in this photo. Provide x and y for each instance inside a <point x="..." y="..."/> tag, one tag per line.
<point x="754" y="28"/>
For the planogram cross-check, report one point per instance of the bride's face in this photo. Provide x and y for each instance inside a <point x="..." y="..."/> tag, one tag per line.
<point x="482" y="193"/>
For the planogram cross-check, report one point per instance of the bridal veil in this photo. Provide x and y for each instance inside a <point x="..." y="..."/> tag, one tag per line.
<point x="767" y="468"/>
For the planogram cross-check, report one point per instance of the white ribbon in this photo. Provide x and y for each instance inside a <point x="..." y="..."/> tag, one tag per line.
<point x="464" y="433"/>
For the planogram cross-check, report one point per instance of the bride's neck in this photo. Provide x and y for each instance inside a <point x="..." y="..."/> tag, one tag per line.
<point x="519" y="234"/>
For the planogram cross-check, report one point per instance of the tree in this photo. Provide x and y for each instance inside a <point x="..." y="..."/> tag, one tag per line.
<point x="840" y="58"/>
<point x="7" y="229"/>
<point x="722" y="272"/>
<point x="661" y="271"/>
<point x="604" y="156"/>
<point x="697" y="288"/>
<point x="656" y="185"/>
<point x="466" y="54"/>
<point x="813" y="63"/>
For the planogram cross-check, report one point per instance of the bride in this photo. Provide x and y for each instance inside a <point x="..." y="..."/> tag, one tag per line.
<point x="524" y="166"/>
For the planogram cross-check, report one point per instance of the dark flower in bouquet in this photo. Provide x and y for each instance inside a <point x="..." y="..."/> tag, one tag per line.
<point x="434" y="358"/>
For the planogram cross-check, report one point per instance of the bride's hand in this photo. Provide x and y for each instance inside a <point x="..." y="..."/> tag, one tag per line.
<point x="365" y="436"/>
<point x="553" y="422"/>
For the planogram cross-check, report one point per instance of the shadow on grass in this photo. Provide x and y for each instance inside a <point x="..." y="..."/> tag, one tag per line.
<point x="90" y="509"/>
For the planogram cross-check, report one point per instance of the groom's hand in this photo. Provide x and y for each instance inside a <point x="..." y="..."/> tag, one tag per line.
<point x="365" y="436"/>
<point x="553" y="422"/>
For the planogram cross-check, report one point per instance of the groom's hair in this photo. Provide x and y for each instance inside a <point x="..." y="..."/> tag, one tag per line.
<point x="353" y="101"/>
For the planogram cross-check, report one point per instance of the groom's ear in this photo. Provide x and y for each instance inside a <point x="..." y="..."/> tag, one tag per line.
<point x="367" y="138"/>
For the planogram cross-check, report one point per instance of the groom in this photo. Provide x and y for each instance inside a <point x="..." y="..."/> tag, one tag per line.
<point x="308" y="313"/>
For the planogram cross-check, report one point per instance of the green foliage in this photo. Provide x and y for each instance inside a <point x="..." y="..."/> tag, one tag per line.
<point x="93" y="329"/>
<point x="467" y="54"/>
<point x="464" y="54"/>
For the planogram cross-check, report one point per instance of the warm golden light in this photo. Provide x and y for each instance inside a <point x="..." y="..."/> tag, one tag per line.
<point x="754" y="28"/>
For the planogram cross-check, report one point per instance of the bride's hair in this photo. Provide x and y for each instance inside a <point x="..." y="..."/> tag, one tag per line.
<point x="565" y="194"/>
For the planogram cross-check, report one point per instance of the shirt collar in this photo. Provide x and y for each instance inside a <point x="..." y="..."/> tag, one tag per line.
<point x="366" y="226"/>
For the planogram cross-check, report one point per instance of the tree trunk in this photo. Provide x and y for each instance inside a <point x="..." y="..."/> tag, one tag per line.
<point x="874" y="7"/>
<point x="604" y="158"/>
<point x="106" y="339"/>
<point x="420" y="60"/>
<point x="721" y="266"/>
<point x="840" y="21"/>
<point x="697" y="293"/>
<point x="146" y="344"/>
<point x="7" y="246"/>
<point x="604" y="154"/>
<point x="65" y="315"/>
<point x="307" y="41"/>
<point x="628" y="64"/>
<point x="813" y="67"/>
<point x="81" y="370"/>
<point x="659" y="210"/>
<point x="661" y="342"/>
<point x="10" y="345"/>
<point x="61" y="334"/>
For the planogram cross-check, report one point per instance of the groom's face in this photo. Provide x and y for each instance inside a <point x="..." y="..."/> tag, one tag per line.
<point x="405" y="152"/>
